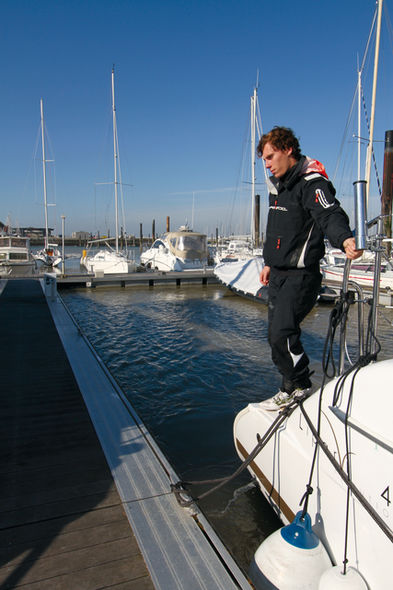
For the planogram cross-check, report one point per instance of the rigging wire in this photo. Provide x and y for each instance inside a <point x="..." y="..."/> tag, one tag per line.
<point x="372" y="147"/>
<point x="349" y="118"/>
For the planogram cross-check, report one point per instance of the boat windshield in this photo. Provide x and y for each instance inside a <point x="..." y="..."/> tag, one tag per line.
<point x="195" y="243"/>
<point x="157" y="244"/>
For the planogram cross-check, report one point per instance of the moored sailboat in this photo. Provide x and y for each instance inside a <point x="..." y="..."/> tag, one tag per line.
<point x="109" y="260"/>
<point x="50" y="255"/>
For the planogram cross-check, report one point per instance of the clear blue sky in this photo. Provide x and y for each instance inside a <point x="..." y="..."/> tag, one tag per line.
<point x="185" y="71"/>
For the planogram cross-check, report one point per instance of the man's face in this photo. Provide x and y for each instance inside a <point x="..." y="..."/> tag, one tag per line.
<point x="277" y="161"/>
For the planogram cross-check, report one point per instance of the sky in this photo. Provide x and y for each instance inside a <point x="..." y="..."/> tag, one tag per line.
<point x="184" y="74"/>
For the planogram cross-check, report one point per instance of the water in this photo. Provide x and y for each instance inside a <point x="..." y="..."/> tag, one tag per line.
<point x="189" y="359"/>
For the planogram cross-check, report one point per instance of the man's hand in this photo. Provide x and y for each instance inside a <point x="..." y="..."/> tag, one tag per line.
<point x="264" y="276"/>
<point x="349" y="246"/>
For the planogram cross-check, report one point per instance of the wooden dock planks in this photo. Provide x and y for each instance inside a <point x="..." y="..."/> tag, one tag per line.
<point x="62" y="525"/>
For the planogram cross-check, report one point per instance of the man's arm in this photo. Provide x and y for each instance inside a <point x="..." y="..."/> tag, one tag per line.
<point x="326" y="210"/>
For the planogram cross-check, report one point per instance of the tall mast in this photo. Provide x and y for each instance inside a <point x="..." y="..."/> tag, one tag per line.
<point x="44" y="171"/>
<point x="374" y="91"/>
<point x="253" y="147"/>
<point x="115" y="158"/>
<point x="359" y="117"/>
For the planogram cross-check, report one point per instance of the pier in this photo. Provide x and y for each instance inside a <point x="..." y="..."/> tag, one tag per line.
<point x="86" y="499"/>
<point x="144" y="279"/>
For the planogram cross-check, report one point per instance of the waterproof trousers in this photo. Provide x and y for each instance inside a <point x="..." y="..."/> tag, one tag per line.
<point x="292" y="295"/>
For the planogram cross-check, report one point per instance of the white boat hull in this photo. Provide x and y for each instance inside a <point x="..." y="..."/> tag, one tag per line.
<point x="16" y="258"/>
<point x="282" y="468"/>
<point x="363" y="278"/>
<point x="169" y="262"/>
<point x="242" y="276"/>
<point x="107" y="262"/>
<point x="48" y="260"/>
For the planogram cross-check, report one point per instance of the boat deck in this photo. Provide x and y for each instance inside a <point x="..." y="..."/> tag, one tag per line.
<point x="78" y="468"/>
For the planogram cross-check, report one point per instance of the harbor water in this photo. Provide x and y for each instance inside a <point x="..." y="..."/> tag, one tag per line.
<point x="189" y="359"/>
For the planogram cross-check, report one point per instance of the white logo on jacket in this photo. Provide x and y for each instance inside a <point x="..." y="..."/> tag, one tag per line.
<point x="321" y="199"/>
<point x="278" y="208"/>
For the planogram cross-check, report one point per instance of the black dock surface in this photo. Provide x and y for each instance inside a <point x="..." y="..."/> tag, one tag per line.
<point x="62" y="526"/>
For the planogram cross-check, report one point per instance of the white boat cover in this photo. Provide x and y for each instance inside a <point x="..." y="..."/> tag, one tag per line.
<point x="242" y="275"/>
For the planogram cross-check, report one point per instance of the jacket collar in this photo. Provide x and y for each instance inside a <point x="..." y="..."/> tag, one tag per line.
<point x="290" y="177"/>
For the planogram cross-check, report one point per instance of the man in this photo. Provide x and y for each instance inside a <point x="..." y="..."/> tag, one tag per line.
<point x="302" y="211"/>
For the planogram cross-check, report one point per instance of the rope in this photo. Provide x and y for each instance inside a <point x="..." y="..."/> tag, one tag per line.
<point x="180" y="487"/>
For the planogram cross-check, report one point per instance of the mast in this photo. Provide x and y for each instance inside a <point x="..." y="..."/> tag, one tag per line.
<point x="359" y="117"/>
<point x="115" y="158"/>
<point x="374" y="91"/>
<point x="253" y="147"/>
<point x="44" y="172"/>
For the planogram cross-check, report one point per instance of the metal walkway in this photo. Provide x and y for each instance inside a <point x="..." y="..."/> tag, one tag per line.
<point x="58" y="489"/>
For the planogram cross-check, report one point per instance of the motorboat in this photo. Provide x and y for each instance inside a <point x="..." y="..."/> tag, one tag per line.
<point x="106" y="260"/>
<point x="178" y="250"/>
<point x="361" y="273"/>
<point x="109" y="259"/>
<point x="325" y="462"/>
<point x="16" y="258"/>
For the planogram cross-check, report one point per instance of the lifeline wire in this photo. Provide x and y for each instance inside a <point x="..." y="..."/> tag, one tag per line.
<point x="338" y="315"/>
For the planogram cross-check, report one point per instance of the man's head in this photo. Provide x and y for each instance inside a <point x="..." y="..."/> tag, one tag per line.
<point x="280" y="149"/>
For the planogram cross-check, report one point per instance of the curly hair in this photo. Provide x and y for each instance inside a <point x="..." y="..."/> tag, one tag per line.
<point x="281" y="138"/>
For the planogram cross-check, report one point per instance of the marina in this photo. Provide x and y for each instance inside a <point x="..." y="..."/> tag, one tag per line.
<point x="69" y="529"/>
<point x="206" y="406"/>
<point x="188" y="359"/>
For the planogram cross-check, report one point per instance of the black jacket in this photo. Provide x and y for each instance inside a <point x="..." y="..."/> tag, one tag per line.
<point x="302" y="211"/>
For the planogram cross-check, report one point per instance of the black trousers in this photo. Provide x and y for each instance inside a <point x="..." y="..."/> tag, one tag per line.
<point x="291" y="298"/>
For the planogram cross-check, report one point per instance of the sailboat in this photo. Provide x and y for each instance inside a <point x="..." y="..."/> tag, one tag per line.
<point x="109" y="260"/>
<point x="239" y="264"/>
<point x="361" y="272"/>
<point x="325" y="462"/>
<point x="50" y="255"/>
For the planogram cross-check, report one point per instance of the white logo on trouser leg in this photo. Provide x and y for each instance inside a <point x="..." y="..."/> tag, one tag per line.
<point x="295" y="357"/>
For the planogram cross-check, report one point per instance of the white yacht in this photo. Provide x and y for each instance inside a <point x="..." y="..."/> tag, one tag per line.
<point x="110" y="260"/>
<point x="178" y="250"/>
<point x="16" y="258"/>
<point x="233" y="251"/>
<point x="106" y="260"/>
<point x="361" y="273"/>
<point x="50" y="255"/>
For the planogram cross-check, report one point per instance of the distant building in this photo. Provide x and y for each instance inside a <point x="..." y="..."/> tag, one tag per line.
<point x="33" y="232"/>
<point x="81" y="235"/>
